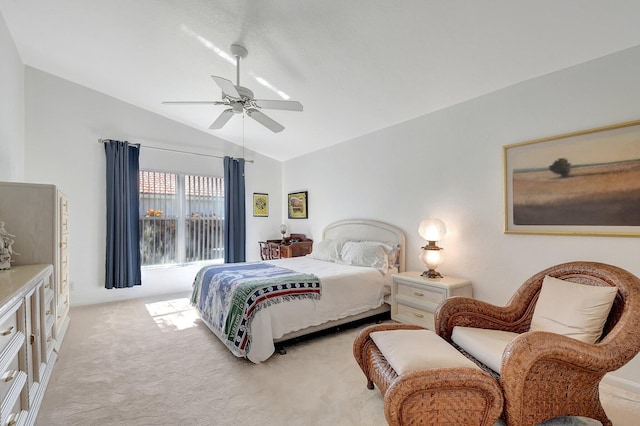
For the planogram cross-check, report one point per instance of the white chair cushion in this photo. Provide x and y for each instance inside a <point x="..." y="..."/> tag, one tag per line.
<point x="574" y="310"/>
<point x="487" y="346"/>
<point x="410" y="350"/>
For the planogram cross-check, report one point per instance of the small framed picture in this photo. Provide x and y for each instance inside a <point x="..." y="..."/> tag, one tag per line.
<point x="260" y="204"/>
<point x="297" y="205"/>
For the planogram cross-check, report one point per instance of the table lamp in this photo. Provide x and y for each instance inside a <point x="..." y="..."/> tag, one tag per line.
<point x="432" y="230"/>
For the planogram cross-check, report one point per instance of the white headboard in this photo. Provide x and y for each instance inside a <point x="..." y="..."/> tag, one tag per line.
<point x="368" y="230"/>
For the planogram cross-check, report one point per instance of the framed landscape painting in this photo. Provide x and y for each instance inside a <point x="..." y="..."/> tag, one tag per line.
<point x="297" y="205"/>
<point x="260" y="204"/>
<point x="581" y="183"/>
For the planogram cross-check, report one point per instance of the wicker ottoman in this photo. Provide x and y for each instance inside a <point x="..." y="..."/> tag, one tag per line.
<point x="436" y="386"/>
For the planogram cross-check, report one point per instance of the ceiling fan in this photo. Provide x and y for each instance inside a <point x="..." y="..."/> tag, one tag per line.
<point x="240" y="99"/>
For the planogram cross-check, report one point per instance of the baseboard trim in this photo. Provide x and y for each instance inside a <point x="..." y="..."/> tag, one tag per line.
<point x="61" y="331"/>
<point x="622" y="387"/>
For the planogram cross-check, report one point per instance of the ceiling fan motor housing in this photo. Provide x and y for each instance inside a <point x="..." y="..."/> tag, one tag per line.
<point x="245" y="94"/>
<point x="238" y="107"/>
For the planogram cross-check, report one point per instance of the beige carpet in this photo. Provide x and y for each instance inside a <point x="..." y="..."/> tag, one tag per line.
<point x="153" y="362"/>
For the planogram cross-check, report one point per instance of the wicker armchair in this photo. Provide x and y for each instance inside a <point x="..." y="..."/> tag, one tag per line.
<point x="546" y="375"/>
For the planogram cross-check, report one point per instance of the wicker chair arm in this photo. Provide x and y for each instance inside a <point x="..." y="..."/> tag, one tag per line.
<point x="407" y="394"/>
<point x="467" y="312"/>
<point x="546" y="375"/>
<point x="533" y="348"/>
<point x="363" y="336"/>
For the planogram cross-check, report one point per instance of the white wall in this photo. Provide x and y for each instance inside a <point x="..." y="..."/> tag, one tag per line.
<point x="448" y="164"/>
<point x="63" y="124"/>
<point x="11" y="108"/>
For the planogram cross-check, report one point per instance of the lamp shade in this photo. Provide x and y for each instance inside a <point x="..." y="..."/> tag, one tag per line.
<point x="432" y="229"/>
<point x="283" y="229"/>
<point x="432" y="258"/>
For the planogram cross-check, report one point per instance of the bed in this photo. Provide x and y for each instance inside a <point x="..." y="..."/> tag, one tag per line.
<point x="253" y="306"/>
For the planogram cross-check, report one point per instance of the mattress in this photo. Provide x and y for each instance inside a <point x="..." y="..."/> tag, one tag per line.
<point x="346" y="290"/>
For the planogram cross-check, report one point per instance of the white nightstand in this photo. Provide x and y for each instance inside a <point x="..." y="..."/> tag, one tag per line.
<point x="414" y="298"/>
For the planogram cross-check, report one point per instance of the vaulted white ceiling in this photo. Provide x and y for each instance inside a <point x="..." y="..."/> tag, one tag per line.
<point x="357" y="66"/>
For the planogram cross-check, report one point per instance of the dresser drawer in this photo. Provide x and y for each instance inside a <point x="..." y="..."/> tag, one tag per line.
<point x="10" y="359"/>
<point x="11" y="385"/>
<point x="11" y="340"/>
<point x="412" y="315"/>
<point x="295" y="249"/>
<point x="63" y="305"/>
<point x="64" y="206"/>
<point x="8" y="328"/>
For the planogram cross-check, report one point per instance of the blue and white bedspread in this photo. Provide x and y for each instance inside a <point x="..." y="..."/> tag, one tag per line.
<point x="228" y="296"/>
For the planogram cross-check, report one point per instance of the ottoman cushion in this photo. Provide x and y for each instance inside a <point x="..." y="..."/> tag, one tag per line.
<point x="410" y="350"/>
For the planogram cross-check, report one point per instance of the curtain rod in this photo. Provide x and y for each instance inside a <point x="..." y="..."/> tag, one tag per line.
<point x="175" y="150"/>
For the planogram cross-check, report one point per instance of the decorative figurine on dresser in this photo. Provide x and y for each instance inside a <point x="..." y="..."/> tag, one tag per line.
<point x="6" y="241"/>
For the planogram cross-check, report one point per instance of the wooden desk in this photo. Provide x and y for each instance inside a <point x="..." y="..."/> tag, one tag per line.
<point x="293" y="246"/>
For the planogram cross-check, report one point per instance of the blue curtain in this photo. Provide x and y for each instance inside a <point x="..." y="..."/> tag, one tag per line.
<point x="122" y="265"/>
<point x="234" y="210"/>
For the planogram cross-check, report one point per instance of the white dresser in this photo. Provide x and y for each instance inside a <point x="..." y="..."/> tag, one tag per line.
<point x="27" y="356"/>
<point x="38" y="215"/>
<point x="414" y="298"/>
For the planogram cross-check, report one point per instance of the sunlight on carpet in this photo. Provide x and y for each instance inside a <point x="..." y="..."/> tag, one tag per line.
<point x="173" y="315"/>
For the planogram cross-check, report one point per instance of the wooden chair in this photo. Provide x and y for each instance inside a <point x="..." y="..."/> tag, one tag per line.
<point x="545" y="375"/>
<point x="274" y="250"/>
<point x="264" y="250"/>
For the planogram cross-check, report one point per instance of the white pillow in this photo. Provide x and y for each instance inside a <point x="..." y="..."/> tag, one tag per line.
<point x="394" y="256"/>
<point x="328" y="250"/>
<point x="366" y="253"/>
<point x="574" y="310"/>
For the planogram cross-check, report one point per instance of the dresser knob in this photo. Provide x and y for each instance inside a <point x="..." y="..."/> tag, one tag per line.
<point x="10" y="375"/>
<point x="12" y="419"/>
<point x="8" y="332"/>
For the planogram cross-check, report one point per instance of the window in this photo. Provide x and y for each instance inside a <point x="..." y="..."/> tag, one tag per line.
<point x="181" y="218"/>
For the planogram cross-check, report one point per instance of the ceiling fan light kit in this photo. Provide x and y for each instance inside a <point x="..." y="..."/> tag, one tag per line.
<point x="240" y="99"/>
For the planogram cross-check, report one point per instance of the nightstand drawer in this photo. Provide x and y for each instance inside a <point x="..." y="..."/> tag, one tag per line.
<point x="421" y="294"/>
<point x="416" y="316"/>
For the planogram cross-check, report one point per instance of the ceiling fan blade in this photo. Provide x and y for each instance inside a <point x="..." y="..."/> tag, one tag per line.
<point x="278" y="104"/>
<point x="193" y="102"/>
<point x="227" y="86"/>
<point x="222" y="119"/>
<point x="267" y="122"/>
